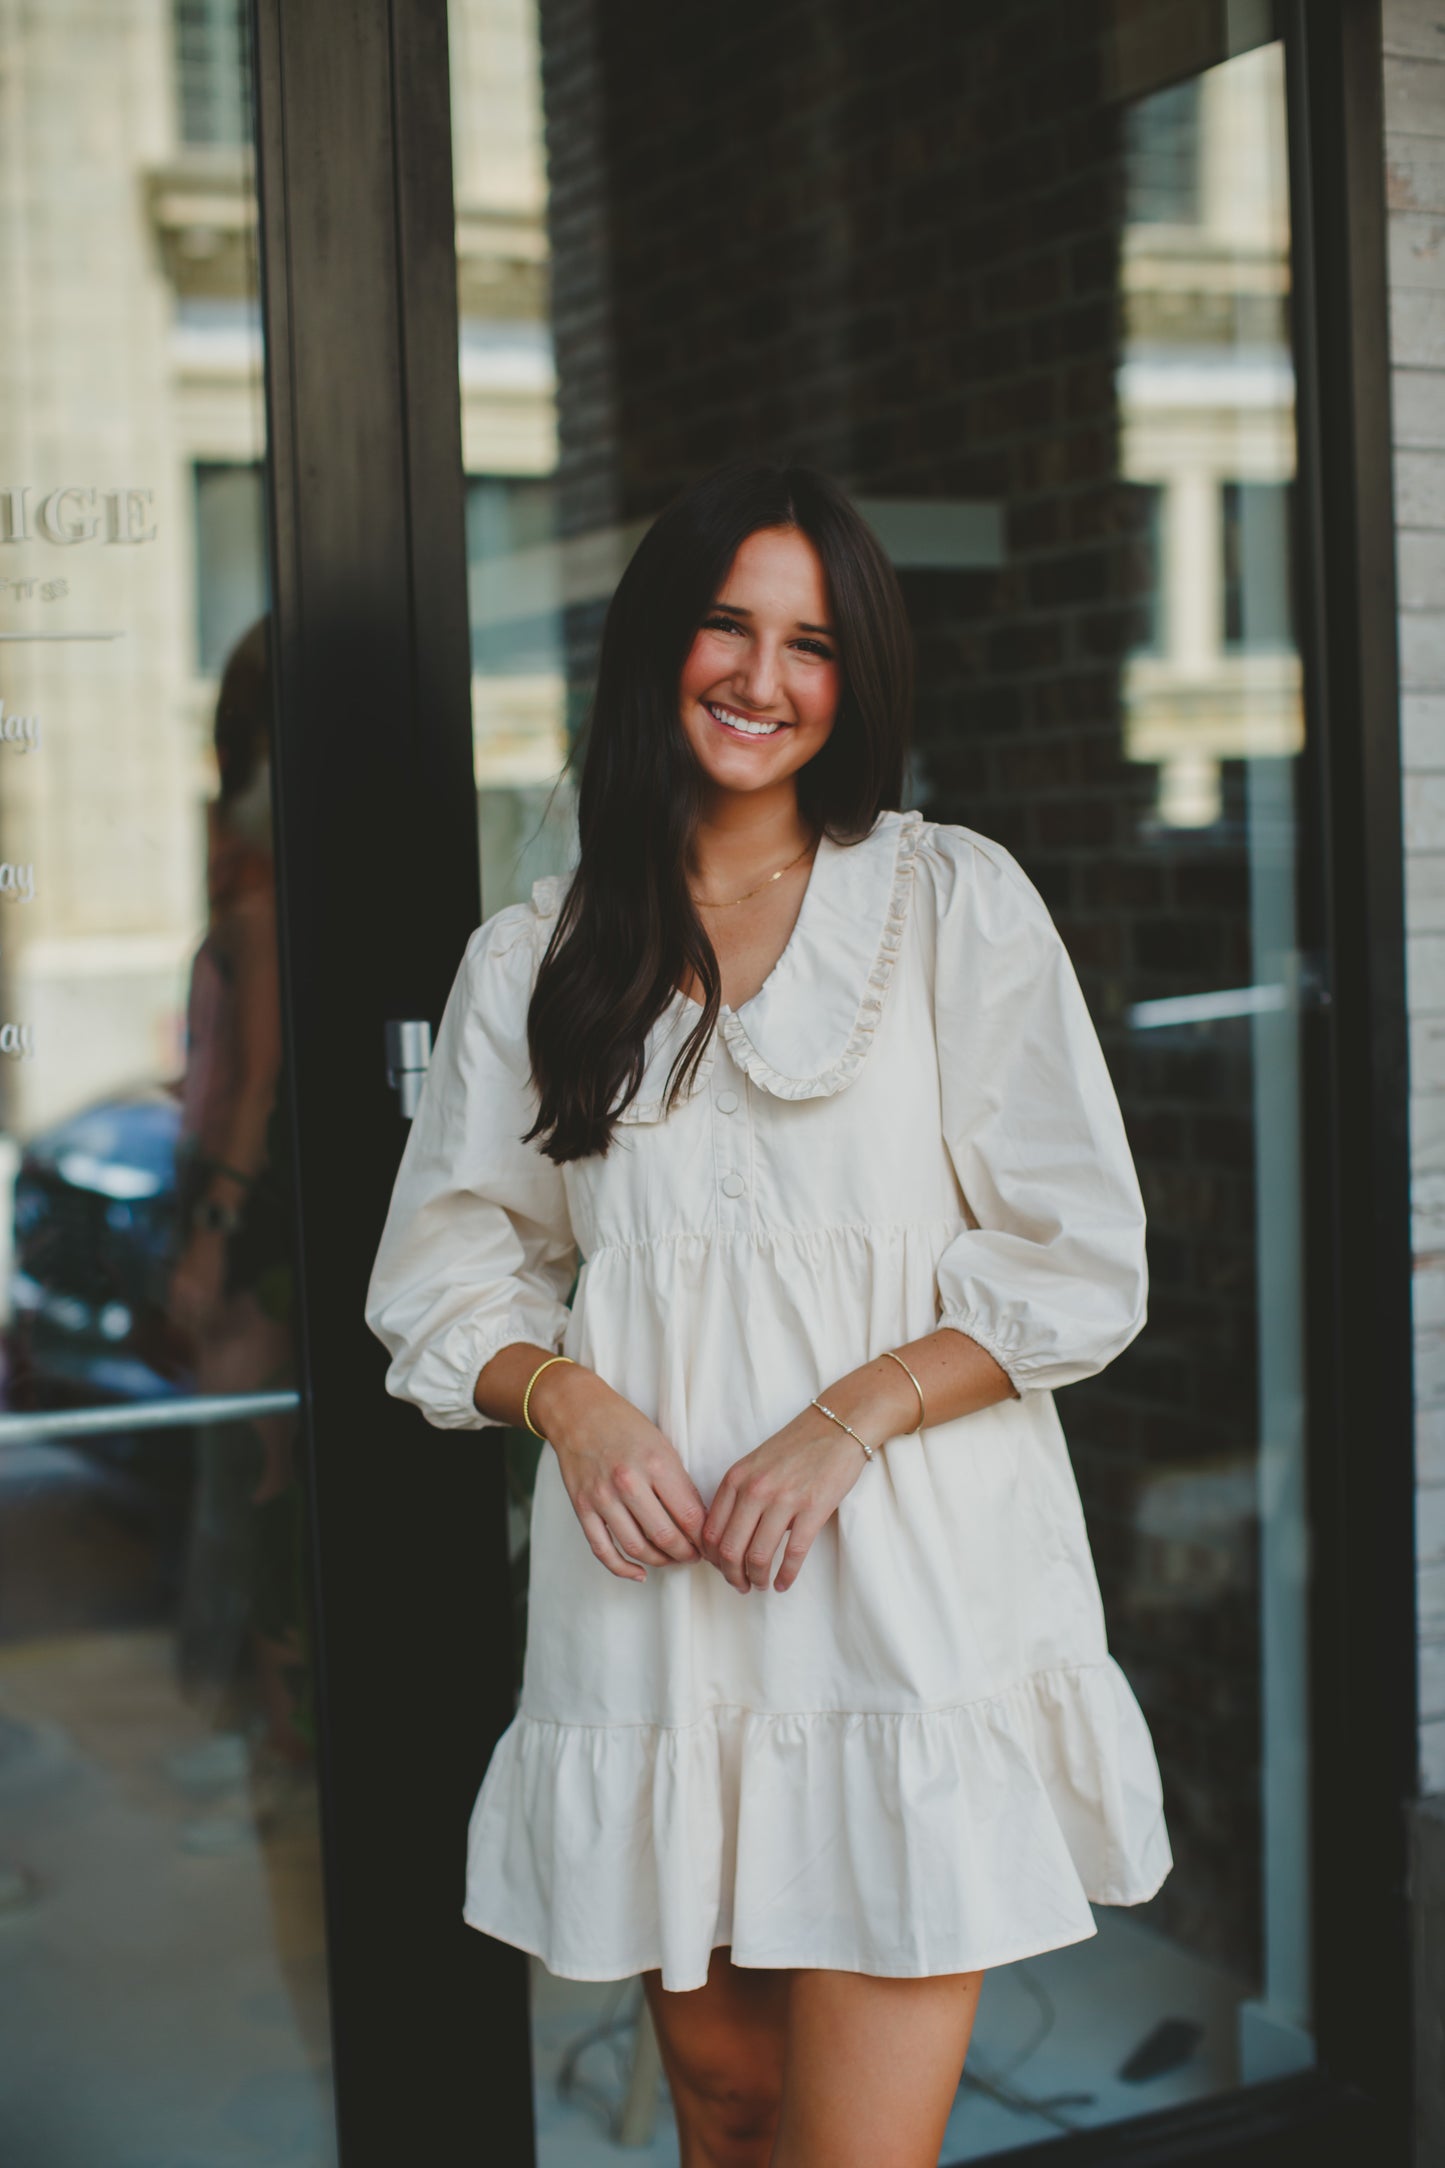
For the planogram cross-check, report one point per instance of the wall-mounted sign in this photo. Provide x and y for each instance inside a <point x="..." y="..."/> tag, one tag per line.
<point x="75" y="514"/>
<point x="17" y="882"/>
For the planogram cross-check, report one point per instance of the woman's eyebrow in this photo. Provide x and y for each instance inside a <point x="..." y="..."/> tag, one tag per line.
<point x="740" y="609"/>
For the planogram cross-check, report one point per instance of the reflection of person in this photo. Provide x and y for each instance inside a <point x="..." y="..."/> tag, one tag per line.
<point x="230" y="1284"/>
<point x="233" y="1020"/>
<point x="818" y="1720"/>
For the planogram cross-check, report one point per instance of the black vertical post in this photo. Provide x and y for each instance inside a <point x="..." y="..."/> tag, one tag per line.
<point x="379" y="888"/>
<point x="1358" y="1176"/>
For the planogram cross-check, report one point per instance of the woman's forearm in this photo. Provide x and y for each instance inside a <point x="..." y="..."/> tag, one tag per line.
<point x="956" y="1374"/>
<point x="957" y="1377"/>
<point x="501" y="1384"/>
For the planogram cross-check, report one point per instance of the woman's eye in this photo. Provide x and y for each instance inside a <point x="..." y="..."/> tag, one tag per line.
<point x="718" y="623"/>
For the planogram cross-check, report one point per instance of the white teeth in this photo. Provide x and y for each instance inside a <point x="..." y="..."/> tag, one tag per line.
<point x="741" y="722"/>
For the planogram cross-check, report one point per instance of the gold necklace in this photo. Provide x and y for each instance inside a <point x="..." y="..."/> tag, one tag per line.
<point x="705" y="904"/>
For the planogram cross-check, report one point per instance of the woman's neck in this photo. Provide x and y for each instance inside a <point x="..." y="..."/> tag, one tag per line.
<point x="743" y="834"/>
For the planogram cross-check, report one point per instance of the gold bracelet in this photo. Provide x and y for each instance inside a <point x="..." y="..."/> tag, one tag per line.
<point x="867" y="1448"/>
<point x="526" y="1418"/>
<point x="916" y="1387"/>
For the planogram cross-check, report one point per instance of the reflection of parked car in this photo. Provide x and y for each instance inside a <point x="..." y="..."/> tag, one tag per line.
<point x="95" y="1201"/>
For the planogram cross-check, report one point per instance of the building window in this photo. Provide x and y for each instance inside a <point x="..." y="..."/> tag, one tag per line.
<point x="1162" y="141"/>
<point x="231" y="555"/>
<point x="513" y="575"/>
<point x="213" y="71"/>
<point x="1258" y="567"/>
<point x="1147" y="585"/>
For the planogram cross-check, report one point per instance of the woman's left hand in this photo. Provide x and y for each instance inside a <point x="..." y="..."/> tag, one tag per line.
<point x="789" y="1486"/>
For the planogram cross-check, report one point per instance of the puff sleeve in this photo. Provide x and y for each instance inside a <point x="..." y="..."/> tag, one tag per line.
<point x="1050" y="1276"/>
<point x="477" y="1249"/>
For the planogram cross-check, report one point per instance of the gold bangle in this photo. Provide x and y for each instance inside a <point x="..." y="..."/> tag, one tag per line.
<point x="867" y="1448"/>
<point x="916" y="1387"/>
<point x="526" y="1418"/>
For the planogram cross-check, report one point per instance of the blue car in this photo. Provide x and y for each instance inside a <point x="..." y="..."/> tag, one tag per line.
<point x="95" y="1213"/>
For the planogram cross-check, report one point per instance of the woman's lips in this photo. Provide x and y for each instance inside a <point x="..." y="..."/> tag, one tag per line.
<point x="743" y="726"/>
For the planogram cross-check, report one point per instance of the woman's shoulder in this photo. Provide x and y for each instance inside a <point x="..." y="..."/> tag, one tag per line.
<point x="519" y="928"/>
<point x="975" y="877"/>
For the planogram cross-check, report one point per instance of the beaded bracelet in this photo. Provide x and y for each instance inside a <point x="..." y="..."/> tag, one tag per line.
<point x="867" y="1448"/>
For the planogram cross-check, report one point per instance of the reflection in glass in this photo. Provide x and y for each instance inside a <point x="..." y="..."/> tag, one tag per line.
<point x="1206" y="411"/>
<point x="162" y="1973"/>
<point x="1026" y="291"/>
<point x="1258" y="565"/>
<point x="212" y="63"/>
<point x="509" y="447"/>
<point x="1162" y="173"/>
<point x="1216" y="1580"/>
<point x="230" y="515"/>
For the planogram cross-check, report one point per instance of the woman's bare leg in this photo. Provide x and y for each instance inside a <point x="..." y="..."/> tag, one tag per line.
<point x="872" y="2068"/>
<point x="722" y="2048"/>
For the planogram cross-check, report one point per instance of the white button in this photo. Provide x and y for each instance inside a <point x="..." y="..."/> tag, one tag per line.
<point x="733" y="1185"/>
<point x="726" y="1101"/>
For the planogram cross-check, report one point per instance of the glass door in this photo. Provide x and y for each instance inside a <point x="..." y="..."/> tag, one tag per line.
<point x="1026" y="289"/>
<point x="163" y="1994"/>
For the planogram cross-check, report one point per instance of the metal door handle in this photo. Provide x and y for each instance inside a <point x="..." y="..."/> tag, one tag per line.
<point x="408" y="1052"/>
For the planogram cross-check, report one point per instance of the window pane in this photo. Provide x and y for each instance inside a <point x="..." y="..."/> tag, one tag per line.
<point x="1161" y="137"/>
<point x="212" y="68"/>
<point x="162" y="1969"/>
<point x="1258" y="565"/>
<point x="230" y="558"/>
<point x="509" y="433"/>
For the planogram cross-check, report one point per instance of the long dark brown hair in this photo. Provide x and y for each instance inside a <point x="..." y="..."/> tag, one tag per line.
<point x="627" y="930"/>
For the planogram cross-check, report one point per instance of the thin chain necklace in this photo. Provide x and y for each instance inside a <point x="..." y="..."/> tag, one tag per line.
<point x="727" y="905"/>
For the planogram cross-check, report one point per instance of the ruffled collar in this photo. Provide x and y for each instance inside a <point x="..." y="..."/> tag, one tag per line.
<point x="806" y="1031"/>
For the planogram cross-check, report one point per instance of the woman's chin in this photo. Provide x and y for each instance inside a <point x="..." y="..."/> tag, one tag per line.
<point x="747" y="768"/>
<point x="745" y="774"/>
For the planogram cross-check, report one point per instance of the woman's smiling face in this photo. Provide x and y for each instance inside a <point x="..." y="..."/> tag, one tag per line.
<point x="759" y="690"/>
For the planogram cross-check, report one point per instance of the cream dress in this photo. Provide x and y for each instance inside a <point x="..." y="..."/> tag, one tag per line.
<point x="921" y="1758"/>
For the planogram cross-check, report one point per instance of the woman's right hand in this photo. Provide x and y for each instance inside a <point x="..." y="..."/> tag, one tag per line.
<point x="637" y="1504"/>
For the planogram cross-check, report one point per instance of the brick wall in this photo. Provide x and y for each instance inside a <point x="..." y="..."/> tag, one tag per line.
<point x="887" y="240"/>
<point x="1415" y="166"/>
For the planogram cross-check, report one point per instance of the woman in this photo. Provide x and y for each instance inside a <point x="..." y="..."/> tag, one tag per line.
<point x="807" y="1085"/>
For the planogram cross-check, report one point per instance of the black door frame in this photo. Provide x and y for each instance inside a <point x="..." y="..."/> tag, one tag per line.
<point x="379" y="887"/>
<point x="1363" y="1638"/>
<point x="377" y="859"/>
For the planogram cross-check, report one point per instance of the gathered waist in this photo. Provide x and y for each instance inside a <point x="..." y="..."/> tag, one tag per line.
<point x="717" y="1336"/>
<point x="800" y="1241"/>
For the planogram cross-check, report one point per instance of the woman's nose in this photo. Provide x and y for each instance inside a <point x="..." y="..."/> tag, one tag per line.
<point x="758" y="678"/>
